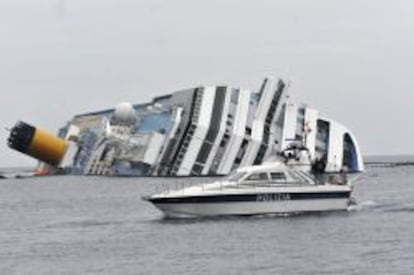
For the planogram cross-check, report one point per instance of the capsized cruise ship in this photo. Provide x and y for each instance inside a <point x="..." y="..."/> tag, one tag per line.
<point x="202" y="131"/>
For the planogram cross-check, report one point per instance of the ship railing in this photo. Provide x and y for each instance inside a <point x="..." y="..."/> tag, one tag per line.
<point x="335" y="178"/>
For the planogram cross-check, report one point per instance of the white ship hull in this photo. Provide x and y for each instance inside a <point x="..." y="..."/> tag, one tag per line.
<point x="223" y="198"/>
<point x="178" y="210"/>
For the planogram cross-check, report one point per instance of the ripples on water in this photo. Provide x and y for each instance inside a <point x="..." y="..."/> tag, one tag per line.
<point x="98" y="225"/>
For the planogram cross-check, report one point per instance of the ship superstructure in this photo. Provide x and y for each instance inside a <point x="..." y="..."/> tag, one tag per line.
<point x="207" y="130"/>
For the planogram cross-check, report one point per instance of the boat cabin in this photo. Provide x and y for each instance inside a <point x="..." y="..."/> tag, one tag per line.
<point x="279" y="174"/>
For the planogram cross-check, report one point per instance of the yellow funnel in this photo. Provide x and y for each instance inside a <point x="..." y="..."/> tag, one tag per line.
<point x="37" y="143"/>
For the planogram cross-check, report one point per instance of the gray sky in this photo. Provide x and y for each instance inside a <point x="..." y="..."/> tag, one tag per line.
<point x="353" y="60"/>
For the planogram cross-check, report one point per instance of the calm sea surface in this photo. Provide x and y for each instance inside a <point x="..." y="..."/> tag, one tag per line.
<point x="99" y="225"/>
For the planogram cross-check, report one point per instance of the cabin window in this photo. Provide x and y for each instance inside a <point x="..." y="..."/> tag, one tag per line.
<point x="278" y="176"/>
<point x="257" y="176"/>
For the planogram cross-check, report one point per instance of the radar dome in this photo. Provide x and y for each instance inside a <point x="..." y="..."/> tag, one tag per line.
<point x="124" y="114"/>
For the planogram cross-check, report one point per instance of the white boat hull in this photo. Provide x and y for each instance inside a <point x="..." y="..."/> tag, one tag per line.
<point x="252" y="207"/>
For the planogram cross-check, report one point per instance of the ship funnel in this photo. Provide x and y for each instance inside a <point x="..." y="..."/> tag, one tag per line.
<point x="37" y="143"/>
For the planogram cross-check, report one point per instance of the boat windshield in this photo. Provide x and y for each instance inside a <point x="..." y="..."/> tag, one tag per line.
<point x="235" y="176"/>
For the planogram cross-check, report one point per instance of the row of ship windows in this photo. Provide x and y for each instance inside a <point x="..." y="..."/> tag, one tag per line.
<point x="187" y="138"/>
<point x="266" y="131"/>
<point x="226" y="136"/>
<point x="183" y="148"/>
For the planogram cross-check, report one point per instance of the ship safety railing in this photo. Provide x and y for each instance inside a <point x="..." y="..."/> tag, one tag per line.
<point x="179" y="184"/>
<point x="335" y="178"/>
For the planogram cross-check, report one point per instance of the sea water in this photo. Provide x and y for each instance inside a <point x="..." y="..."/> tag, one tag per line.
<point x="100" y="225"/>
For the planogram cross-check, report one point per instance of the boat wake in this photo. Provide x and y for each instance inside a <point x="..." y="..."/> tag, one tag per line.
<point x="402" y="208"/>
<point x="365" y="205"/>
<point x="81" y="224"/>
<point x="384" y="207"/>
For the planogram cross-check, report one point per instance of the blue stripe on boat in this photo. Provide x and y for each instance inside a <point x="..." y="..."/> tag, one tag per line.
<point x="253" y="197"/>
